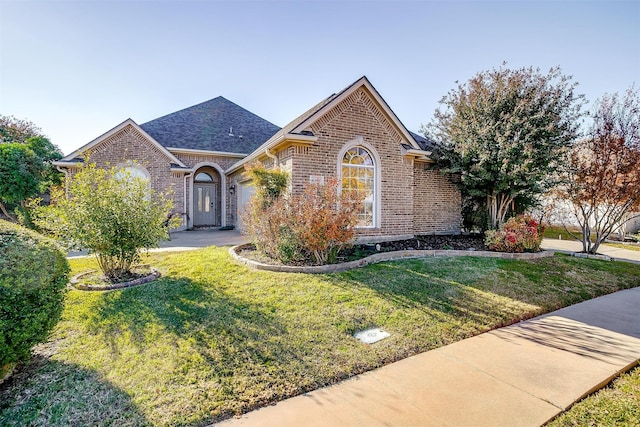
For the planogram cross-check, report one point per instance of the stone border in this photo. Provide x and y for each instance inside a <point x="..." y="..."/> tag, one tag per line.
<point x="592" y="256"/>
<point x="82" y="287"/>
<point x="379" y="257"/>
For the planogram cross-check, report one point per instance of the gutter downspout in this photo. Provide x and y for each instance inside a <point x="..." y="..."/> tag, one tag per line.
<point x="184" y="200"/>
<point x="65" y="171"/>
<point x="272" y="156"/>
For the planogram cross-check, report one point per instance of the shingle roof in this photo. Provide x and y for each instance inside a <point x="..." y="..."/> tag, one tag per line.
<point x="207" y="126"/>
<point x="424" y="143"/>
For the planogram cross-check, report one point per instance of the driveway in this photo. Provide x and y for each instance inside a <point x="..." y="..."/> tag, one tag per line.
<point x="570" y="246"/>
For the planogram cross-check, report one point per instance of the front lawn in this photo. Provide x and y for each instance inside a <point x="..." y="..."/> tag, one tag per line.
<point x="212" y="338"/>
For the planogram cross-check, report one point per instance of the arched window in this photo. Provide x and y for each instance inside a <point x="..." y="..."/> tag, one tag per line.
<point x="127" y="171"/>
<point x="203" y="177"/>
<point x="359" y="176"/>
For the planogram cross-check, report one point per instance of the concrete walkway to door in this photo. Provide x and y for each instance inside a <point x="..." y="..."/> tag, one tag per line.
<point x="194" y="239"/>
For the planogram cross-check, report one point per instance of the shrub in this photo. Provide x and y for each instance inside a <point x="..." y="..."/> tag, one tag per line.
<point x="519" y="234"/>
<point x="33" y="278"/>
<point x="112" y="213"/>
<point x="269" y="228"/>
<point x="271" y="184"/>
<point x="313" y="226"/>
<point x="324" y="220"/>
<point x="266" y="216"/>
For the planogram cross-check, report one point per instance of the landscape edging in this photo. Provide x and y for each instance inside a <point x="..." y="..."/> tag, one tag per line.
<point x="379" y="257"/>
<point x="75" y="282"/>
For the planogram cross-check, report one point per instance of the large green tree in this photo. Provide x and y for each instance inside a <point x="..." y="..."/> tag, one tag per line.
<point x="503" y="132"/>
<point x="26" y="168"/>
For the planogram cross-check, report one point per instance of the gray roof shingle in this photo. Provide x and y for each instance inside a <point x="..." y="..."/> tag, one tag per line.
<point x="208" y="125"/>
<point x="424" y="143"/>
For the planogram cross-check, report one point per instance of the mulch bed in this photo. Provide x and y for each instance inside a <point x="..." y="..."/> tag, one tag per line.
<point x="356" y="252"/>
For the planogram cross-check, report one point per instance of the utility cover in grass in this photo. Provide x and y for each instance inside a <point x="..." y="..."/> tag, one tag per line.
<point x="370" y="336"/>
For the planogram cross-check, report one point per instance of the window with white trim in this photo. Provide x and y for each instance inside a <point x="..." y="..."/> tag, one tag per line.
<point x="359" y="177"/>
<point x="131" y="172"/>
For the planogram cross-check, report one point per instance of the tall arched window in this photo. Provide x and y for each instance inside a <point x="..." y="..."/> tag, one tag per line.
<point x="359" y="176"/>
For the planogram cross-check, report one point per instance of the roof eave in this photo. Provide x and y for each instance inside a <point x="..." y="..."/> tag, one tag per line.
<point x="418" y="155"/>
<point x="208" y="152"/>
<point x="67" y="164"/>
<point x="129" y="122"/>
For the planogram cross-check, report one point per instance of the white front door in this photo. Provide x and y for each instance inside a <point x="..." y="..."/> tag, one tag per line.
<point x="204" y="205"/>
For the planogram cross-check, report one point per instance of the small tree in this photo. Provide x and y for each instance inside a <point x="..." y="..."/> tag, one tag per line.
<point x="602" y="175"/>
<point x="25" y="164"/>
<point x="270" y="183"/>
<point x="112" y="213"/>
<point x="503" y="132"/>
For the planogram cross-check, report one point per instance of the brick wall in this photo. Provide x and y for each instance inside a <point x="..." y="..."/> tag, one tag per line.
<point x="414" y="200"/>
<point x="437" y="202"/>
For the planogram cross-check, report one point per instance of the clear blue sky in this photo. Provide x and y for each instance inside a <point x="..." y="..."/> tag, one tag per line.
<point x="78" y="68"/>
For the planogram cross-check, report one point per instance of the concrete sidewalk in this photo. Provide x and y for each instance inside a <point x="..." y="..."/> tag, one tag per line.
<point x="570" y="246"/>
<point x="520" y="375"/>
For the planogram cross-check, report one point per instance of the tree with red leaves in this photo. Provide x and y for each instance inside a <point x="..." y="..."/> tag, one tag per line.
<point x="602" y="177"/>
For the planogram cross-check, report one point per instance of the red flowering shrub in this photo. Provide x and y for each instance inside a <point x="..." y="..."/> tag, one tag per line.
<point x="519" y="234"/>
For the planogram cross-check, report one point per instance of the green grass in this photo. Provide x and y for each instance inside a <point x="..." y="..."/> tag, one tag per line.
<point x="616" y="405"/>
<point x="211" y="338"/>
<point x="556" y="231"/>
<point x="622" y="246"/>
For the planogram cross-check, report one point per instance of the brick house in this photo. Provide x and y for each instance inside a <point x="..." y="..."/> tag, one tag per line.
<point x="354" y="136"/>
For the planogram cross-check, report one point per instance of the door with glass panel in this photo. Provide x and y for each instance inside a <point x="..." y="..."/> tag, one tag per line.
<point x="204" y="196"/>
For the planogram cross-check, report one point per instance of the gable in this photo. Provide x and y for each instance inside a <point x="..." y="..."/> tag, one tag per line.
<point x="364" y="91"/>
<point x="215" y="125"/>
<point x="122" y="139"/>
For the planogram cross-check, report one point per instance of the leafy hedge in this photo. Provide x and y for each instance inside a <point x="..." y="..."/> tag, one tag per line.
<point x="33" y="276"/>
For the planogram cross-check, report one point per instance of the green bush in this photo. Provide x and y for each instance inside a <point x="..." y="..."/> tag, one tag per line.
<point x="113" y="213"/>
<point x="33" y="277"/>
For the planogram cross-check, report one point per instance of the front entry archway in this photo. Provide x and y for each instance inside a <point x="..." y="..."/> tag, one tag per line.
<point x="206" y="198"/>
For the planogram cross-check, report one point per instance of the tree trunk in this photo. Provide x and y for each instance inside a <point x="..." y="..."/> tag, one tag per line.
<point x="498" y="206"/>
<point x="10" y="217"/>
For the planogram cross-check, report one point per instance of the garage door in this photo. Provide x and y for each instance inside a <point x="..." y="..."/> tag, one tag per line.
<point x="246" y="190"/>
